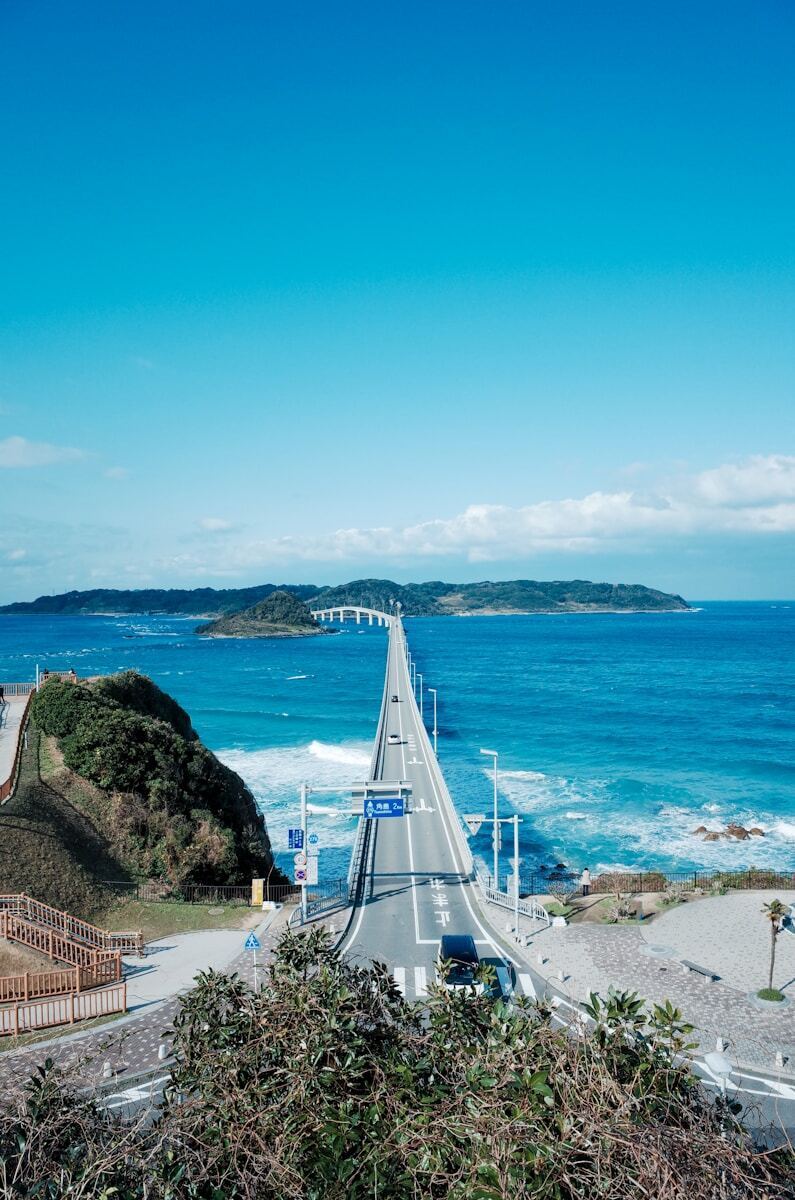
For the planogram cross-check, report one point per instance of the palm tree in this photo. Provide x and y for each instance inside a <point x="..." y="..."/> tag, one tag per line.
<point x="775" y="912"/>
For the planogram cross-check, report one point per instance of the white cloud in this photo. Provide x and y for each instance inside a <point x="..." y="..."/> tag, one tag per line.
<point x="116" y="472"/>
<point x="215" y="524"/>
<point x="760" y="480"/>
<point x="755" y="497"/>
<point x="19" y="452"/>
<point x="16" y="555"/>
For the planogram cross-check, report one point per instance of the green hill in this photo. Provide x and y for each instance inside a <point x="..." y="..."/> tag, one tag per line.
<point x="159" y="801"/>
<point x="434" y="598"/>
<point x="280" y="615"/>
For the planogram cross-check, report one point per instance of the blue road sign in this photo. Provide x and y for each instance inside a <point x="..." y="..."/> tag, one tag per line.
<point x="384" y="806"/>
<point x="252" y="942"/>
<point x="313" y="839"/>
<point x="295" y="839"/>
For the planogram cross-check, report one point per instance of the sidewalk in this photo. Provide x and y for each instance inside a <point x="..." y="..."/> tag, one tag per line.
<point x="646" y="958"/>
<point x="130" y="1044"/>
<point x="11" y="711"/>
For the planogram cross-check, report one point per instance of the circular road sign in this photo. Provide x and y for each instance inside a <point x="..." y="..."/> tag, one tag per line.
<point x="299" y="859"/>
<point x="313" y="839"/>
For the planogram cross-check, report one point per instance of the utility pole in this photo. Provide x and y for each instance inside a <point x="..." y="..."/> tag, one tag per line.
<point x="516" y="874"/>
<point x="304" y="790"/>
<point x="493" y="754"/>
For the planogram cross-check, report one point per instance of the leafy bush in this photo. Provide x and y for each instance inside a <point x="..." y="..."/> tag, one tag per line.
<point x="175" y="810"/>
<point x="327" y="1085"/>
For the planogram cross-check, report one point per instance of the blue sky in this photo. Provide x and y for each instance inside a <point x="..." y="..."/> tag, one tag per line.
<point x="443" y="290"/>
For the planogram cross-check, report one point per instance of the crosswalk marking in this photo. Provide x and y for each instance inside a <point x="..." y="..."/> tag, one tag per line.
<point x="400" y="978"/>
<point x="420" y="981"/>
<point x="527" y="985"/>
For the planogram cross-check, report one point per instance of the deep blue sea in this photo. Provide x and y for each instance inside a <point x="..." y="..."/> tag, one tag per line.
<point x="617" y="735"/>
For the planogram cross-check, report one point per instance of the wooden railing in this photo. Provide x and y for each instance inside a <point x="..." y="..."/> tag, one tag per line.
<point x="32" y="985"/>
<point x="78" y="933"/>
<point x="28" y="1015"/>
<point x="8" y="786"/>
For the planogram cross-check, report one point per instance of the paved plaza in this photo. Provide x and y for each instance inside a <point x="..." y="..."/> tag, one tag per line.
<point x="727" y="935"/>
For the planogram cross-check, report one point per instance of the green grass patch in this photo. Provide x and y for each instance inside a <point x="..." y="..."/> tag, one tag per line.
<point x="160" y="918"/>
<point x="771" y="994"/>
<point x="556" y="909"/>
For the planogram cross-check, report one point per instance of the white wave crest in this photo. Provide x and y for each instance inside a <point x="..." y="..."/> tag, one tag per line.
<point x="345" y="755"/>
<point x="576" y="816"/>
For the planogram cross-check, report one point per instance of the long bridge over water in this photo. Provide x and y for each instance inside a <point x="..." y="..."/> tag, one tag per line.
<point x="413" y="877"/>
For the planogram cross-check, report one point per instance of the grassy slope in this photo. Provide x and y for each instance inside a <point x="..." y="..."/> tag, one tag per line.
<point x="48" y="847"/>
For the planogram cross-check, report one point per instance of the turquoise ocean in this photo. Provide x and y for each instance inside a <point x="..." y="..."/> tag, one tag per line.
<point x="617" y="734"/>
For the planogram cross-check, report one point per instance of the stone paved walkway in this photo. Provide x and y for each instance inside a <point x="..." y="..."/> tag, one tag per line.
<point x="729" y="938"/>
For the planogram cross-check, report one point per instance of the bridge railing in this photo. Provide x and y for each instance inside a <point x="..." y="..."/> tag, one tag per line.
<point x="441" y="784"/>
<point x="358" y="864"/>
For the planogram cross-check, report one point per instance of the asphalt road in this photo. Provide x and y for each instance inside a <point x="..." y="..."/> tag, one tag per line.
<point x="418" y="885"/>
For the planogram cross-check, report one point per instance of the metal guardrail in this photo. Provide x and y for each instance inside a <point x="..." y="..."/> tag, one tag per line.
<point x="528" y="907"/>
<point x="439" y="779"/>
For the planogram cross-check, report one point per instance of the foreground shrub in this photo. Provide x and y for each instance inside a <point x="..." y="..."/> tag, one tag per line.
<point x="327" y="1085"/>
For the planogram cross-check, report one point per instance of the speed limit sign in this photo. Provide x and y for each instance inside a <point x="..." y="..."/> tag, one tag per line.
<point x="299" y="859"/>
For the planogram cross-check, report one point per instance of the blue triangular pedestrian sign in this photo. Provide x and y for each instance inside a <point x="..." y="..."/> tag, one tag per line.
<point x="252" y="942"/>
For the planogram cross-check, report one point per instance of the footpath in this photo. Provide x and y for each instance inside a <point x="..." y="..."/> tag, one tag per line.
<point x="727" y="935"/>
<point x="11" y="713"/>
<point x="131" y="1043"/>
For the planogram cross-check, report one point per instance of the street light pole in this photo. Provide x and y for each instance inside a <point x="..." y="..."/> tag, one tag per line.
<point x="419" y="676"/>
<point x="516" y="874"/>
<point x="493" y="754"/>
<point x="304" y="790"/>
<point x="414" y="678"/>
<point x="433" y="691"/>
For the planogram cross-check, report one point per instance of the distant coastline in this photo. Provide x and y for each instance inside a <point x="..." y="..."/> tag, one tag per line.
<point x="486" y="598"/>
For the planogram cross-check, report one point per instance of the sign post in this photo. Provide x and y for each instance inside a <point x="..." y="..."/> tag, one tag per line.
<point x="252" y="943"/>
<point x="384" y="806"/>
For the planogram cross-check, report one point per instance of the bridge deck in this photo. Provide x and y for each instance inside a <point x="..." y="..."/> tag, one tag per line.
<point x="418" y="867"/>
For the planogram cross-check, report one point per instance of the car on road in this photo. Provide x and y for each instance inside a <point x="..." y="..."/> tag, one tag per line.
<point x="458" y="962"/>
<point x="394" y="739"/>
<point x="395" y="698"/>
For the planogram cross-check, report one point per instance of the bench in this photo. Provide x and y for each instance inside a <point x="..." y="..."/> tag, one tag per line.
<point x="691" y="966"/>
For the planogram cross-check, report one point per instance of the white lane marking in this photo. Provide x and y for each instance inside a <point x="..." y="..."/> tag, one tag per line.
<point x="527" y="986"/>
<point x="400" y="978"/>
<point x="420" y="981"/>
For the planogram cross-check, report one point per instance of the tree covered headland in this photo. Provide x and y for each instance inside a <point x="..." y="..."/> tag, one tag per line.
<point x="417" y="599"/>
<point x="165" y="803"/>
<point x="327" y="1085"/>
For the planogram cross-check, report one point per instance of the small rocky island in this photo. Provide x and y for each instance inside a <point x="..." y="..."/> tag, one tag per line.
<point x="280" y="615"/>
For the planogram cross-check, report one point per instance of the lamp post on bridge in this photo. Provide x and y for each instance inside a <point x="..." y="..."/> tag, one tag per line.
<point x="419" y="676"/>
<point x="493" y="754"/>
<point x="414" y="678"/>
<point x="433" y="693"/>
